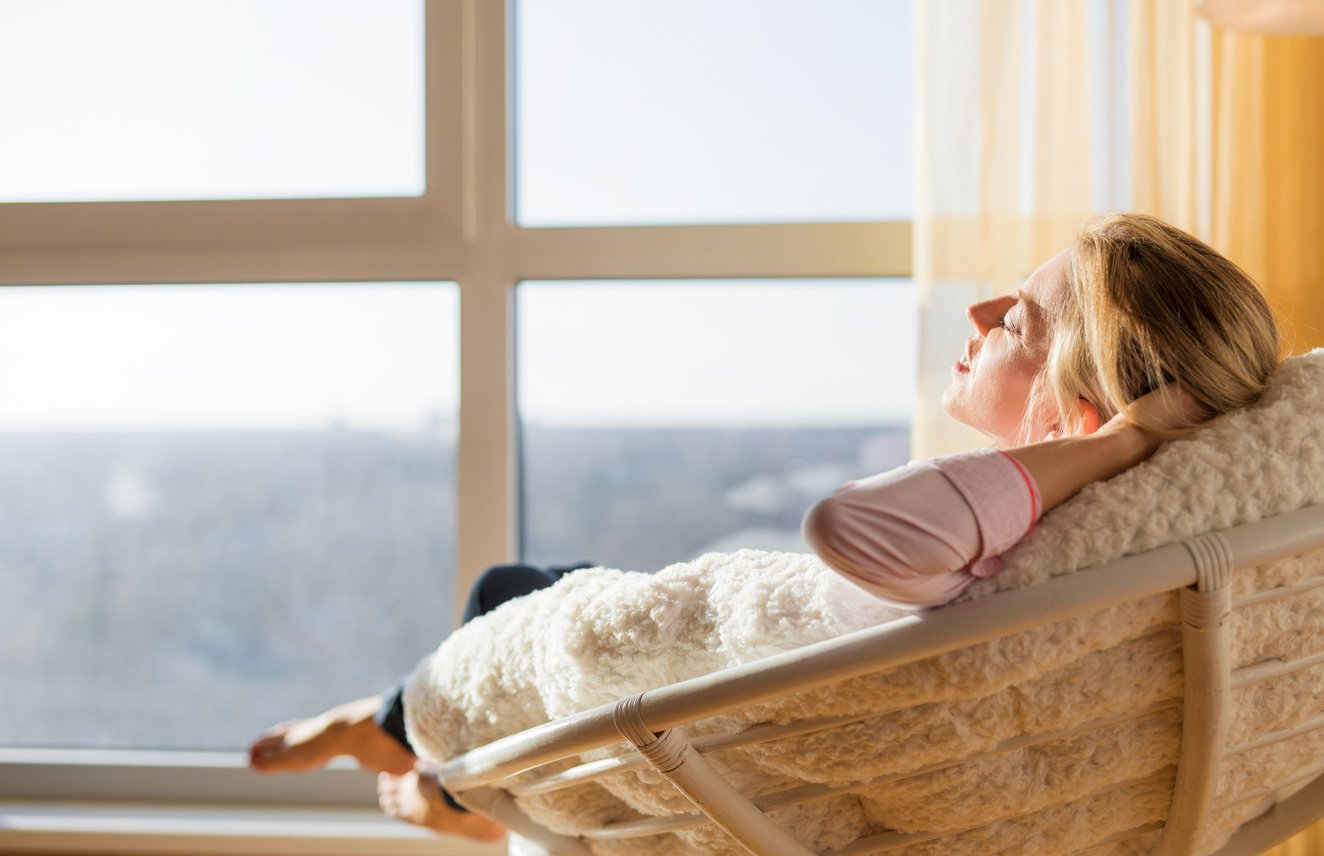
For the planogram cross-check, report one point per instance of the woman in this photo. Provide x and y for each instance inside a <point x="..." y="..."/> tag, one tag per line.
<point x="1135" y="334"/>
<point x="1078" y="360"/>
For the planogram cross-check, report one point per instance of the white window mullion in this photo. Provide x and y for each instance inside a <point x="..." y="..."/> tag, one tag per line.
<point x="486" y="486"/>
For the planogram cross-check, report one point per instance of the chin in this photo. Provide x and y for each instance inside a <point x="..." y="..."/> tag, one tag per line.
<point x="951" y="405"/>
<point x="948" y="397"/>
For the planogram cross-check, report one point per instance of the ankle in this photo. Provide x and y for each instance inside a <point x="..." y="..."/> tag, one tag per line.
<point x="353" y="722"/>
<point x="357" y="713"/>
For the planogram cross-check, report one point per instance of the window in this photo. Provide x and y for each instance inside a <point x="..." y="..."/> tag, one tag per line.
<point x="770" y="111"/>
<point x="220" y="141"/>
<point x="491" y="215"/>
<point x="237" y="493"/>
<point x="153" y="99"/>
<point x="660" y="421"/>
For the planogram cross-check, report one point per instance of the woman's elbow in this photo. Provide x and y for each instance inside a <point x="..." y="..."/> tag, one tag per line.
<point x="883" y="566"/>
<point x="831" y="530"/>
<point x="822" y="529"/>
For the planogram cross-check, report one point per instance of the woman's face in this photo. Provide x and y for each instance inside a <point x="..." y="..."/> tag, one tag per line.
<point x="991" y="383"/>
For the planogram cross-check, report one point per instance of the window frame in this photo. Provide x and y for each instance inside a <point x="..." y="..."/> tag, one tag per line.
<point x="461" y="229"/>
<point x="265" y="240"/>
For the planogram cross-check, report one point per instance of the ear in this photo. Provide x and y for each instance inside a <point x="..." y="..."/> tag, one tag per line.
<point x="1089" y="416"/>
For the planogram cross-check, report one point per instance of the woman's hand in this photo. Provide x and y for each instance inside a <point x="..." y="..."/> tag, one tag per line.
<point x="1163" y="412"/>
<point x="1062" y="466"/>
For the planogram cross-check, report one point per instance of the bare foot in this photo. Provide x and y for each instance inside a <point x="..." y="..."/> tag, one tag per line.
<point x="416" y="798"/>
<point x="304" y="744"/>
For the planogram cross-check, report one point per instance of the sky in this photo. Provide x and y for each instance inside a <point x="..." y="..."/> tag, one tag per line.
<point x="762" y="352"/>
<point x="626" y="112"/>
<point x="210" y="99"/>
<point x="227" y="357"/>
<point x="673" y="111"/>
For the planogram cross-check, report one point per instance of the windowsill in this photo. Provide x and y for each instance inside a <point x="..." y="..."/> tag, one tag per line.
<point x="74" y="827"/>
<point x="89" y="801"/>
<point x="216" y="779"/>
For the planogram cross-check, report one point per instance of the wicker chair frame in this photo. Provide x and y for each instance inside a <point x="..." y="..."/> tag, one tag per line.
<point x="1199" y="569"/>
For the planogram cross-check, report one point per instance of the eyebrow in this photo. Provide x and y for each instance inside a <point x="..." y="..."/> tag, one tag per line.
<point x="1031" y="306"/>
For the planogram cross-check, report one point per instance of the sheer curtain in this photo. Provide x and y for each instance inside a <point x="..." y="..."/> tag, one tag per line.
<point x="1016" y="150"/>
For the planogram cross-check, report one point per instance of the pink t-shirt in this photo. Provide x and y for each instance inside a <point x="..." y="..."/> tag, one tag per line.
<point x="921" y="533"/>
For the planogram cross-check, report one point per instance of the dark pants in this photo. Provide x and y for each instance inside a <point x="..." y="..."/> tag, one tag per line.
<point x="497" y="585"/>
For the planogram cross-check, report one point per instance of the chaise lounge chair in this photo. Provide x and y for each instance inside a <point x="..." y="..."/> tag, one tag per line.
<point x="1146" y="676"/>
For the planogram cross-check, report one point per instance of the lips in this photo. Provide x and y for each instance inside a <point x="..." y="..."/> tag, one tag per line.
<point x="962" y="365"/>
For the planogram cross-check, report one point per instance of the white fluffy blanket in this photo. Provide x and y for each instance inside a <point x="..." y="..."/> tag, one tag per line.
<point x="601" y="634"/>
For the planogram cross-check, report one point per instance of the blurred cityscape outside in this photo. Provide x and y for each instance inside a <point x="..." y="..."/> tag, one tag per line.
<point x="184" y="590"/>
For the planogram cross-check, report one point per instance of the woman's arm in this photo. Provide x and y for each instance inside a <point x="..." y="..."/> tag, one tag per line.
<point x="1062" y="467"/>
<point x="921" y="533"/>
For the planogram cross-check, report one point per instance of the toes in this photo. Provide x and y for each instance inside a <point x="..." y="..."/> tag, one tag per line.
<point x="269" y="743"/>
<point x="264" y="750"/>
<point x="386" y="792"/>
<point x="277" y="731"/>
<point x="387" y="784"/>
<point x="268" y="739"/>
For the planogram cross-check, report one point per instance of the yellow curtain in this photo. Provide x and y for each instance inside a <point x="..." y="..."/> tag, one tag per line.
<point x="1268" y="196"/>
<point x="1249" y="178"/>
<point x="1268" y="199"/>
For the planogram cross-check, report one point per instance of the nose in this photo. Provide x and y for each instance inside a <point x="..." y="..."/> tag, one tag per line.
<point x="987" y="314"/>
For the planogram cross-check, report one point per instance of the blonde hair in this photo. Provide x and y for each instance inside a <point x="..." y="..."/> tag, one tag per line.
<point x="1148" y="304"/>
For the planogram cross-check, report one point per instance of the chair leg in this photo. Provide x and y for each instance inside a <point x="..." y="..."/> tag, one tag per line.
<point x="1207" y="665"/>
<point x="498" y="805"/>
<point x="673" y="757"/>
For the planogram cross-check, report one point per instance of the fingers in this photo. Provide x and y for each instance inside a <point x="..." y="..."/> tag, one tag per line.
<point x="1170" y="407"/>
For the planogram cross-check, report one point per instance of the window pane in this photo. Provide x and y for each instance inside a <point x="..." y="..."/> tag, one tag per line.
<point x="690" y="111"/>
<point x="663" y="420"/>
<point x="220" y="506"/>
<point x="210" y="99"/>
